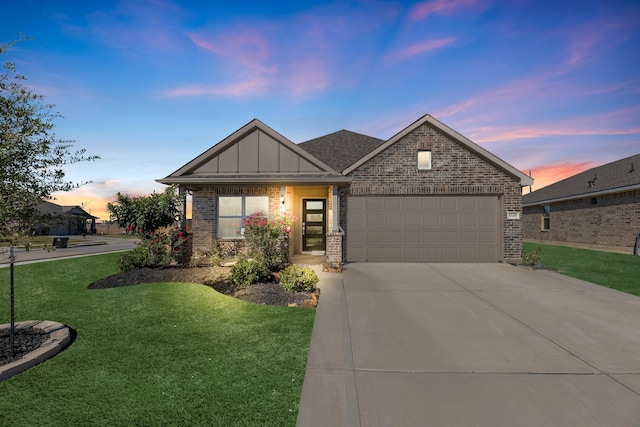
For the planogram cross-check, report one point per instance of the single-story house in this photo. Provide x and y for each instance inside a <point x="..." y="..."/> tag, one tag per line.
<point x="426" y="194"/>
<point x="600" y="206"/>
<point x="64" y="220"/>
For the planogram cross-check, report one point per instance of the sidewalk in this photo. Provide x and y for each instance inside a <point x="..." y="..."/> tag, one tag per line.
<point x="92" y="245"/>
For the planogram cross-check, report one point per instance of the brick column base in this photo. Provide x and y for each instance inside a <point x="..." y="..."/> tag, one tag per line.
<point x="334" y="247"/>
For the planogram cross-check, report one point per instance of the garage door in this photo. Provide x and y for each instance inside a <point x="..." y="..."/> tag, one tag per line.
<point x="423" y="229"/>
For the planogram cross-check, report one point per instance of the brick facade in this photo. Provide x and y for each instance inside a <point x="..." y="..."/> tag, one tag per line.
<point x="613" y="220"/>
<point x="204" y="208"/>
<point x="455" y="171"/>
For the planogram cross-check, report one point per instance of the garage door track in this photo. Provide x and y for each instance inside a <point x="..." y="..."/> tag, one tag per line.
<point x="470" y="345"/>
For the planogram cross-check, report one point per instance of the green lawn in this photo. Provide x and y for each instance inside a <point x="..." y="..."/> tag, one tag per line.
<point x="616" y="271"/>
<point x="159" y="354"/>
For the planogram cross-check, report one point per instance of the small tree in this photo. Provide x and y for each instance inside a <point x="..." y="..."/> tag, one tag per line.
<point x="32" y="160"/>
<point x="144" y="215"/>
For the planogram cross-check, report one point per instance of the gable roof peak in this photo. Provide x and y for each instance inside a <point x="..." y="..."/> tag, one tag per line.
<point x="429" y="120"/>
<point x="253" y="153"/>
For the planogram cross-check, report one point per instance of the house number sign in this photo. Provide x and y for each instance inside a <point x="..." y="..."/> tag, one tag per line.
<point x="513" y="215"/>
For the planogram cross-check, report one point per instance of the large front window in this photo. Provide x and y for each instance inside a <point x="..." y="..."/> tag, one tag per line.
<point x="232" y="210"/>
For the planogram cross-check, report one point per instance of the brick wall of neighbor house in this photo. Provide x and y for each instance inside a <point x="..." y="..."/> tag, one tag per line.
<point x="613" y="221"/>
<point x="204" y="209"/>
<point x="455" y="171"/>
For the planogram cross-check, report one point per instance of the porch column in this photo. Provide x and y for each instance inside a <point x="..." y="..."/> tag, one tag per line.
<point x="335" y="236"/>
<point x="182" y="222"/>
<point x="335" y="224"/>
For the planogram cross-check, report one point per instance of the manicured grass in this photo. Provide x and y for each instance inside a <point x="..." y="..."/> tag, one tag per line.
<point x="159" y="354"/>
<point x="616" y="271"/>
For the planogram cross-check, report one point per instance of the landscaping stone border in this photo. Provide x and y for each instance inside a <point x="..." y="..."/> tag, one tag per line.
<point x="59" y="338"/>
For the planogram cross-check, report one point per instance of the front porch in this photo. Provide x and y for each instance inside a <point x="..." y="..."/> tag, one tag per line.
<point x="219" y="212"/>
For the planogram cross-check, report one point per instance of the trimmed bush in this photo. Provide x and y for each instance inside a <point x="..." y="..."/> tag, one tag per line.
<point x="532" y="257"/>
<point x="247" y="272"/>
<point x="135" y="258"/>
<point x="299" y="279"/>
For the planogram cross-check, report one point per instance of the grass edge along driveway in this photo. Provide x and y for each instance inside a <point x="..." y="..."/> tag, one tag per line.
<point x="157" y="354"/>
<point x="613" y="270"/>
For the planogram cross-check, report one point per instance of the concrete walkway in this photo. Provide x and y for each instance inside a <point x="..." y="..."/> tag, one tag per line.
<point x="470" y="345"/>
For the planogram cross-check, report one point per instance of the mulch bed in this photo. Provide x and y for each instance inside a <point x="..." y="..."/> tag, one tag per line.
<point x="25" y="341"/>
<point x="219" y="278"/>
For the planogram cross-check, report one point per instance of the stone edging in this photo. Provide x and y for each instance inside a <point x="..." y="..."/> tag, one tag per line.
<point x="59" y="338"/>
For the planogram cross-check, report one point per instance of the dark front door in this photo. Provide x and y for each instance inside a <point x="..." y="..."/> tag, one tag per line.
<point x="314" y="226"/>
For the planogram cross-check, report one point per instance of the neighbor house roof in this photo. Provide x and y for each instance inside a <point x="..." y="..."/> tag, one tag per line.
<point x="615" y="177"/>
<point x="341" y="149"/>
<point x="52" y="208"/>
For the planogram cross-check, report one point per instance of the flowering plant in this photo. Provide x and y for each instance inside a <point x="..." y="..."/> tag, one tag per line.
<point x="268" y="239"/>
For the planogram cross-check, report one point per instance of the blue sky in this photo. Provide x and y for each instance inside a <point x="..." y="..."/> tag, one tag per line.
<point x="551" y="87"/>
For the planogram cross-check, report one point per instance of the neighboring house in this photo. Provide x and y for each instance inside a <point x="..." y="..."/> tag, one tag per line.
<point x="64" y="220"/>
<point x="600" y="206"/>
<point x="426" y="194"/>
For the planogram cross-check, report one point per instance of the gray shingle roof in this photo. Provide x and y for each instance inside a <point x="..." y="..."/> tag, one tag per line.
<point x="341" y="149"/>
<point x="609" y="177"/>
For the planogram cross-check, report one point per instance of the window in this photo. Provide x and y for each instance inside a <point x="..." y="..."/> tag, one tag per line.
<point x="232" y="210"/>
<point x="424" y="159"/>
<point x="546" y="216"/>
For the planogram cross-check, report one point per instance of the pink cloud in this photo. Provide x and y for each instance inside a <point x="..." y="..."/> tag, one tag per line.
<point x="246" y="49"/>
<point x="553" y="172"/>
<point x="506" y="134"/>
<point x="525" y="88"/>
<point x="425" y="9"/>
<point x="419" y="48"/>
<point x="242" y="89"/>
<point x="307" y="75"/>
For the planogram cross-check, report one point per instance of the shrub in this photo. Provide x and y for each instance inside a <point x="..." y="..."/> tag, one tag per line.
<point x="532" y="257"/>
<point x="247" y="272"/>
<point x="268" y="240"/>
<point x="156" y="251"/>
<point x="217" y="254"/>
<point x="300" y="279"/>
<point x="135" y="258"/>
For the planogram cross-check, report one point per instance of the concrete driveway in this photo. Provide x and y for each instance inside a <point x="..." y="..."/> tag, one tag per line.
<point x="470" y="345"/>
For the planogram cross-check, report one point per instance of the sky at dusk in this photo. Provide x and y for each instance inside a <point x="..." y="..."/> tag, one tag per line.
<point x="550" y="87"/>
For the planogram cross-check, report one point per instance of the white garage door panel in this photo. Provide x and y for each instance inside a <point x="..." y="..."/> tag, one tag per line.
<point x="423" y="229"/>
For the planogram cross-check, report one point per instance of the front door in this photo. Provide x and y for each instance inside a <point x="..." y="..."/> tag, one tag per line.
<point x="314" y="224"/>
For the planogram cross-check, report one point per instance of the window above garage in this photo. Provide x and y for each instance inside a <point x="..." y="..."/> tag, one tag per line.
<point x="424" y="159"/>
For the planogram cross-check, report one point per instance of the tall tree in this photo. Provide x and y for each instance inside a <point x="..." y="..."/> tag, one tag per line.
<point x="32" y="159"/>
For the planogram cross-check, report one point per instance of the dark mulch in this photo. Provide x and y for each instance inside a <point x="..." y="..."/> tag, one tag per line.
<point x="25" y="341"/>
<point x="219" y="278"/>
